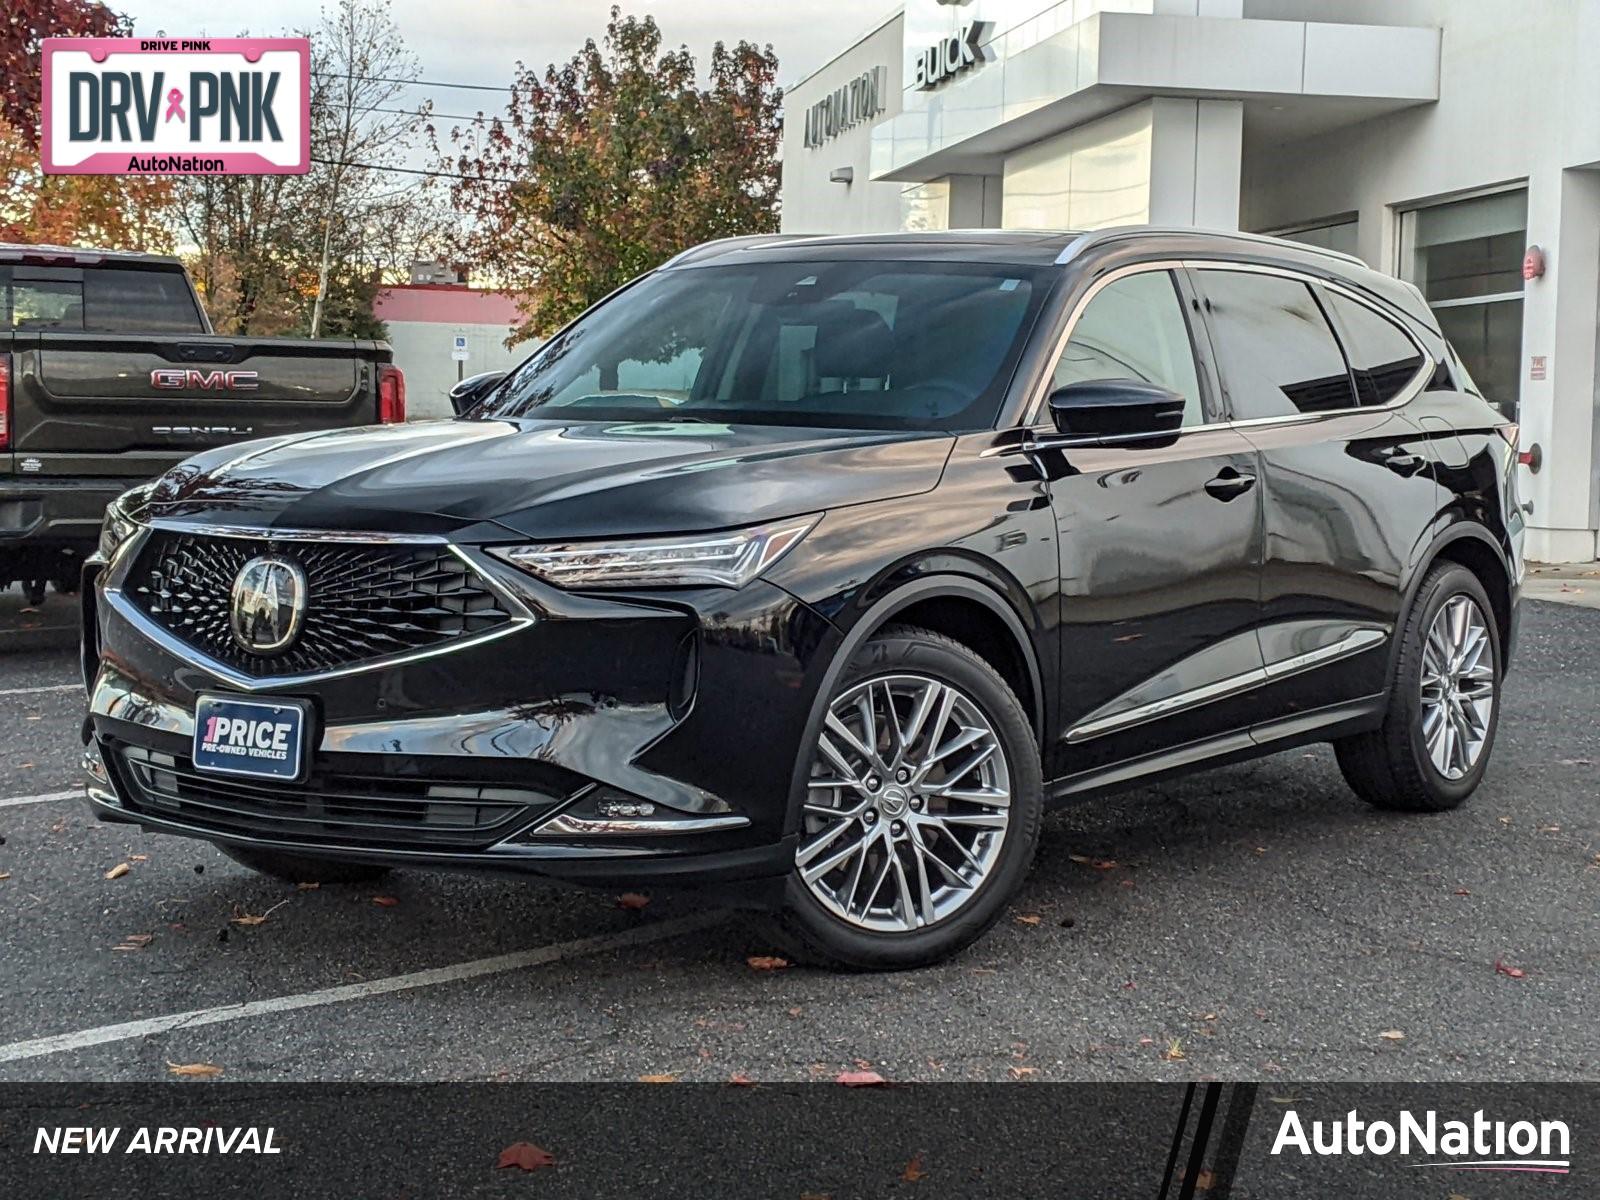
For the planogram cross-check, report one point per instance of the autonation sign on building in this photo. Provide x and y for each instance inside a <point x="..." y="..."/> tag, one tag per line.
<point x="202" y="106"/>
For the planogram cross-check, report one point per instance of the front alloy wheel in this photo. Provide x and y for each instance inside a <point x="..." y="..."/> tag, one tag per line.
<point x="921" y="811"/>
<point x="908" y="804"/>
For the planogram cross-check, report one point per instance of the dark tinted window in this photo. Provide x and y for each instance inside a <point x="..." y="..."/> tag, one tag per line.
<point x="101" y="300"/>
<point x="1277" y="354"/>
<point x="1134" y="328"/>
<point x="1383" y="359"/>
<point x="138" y="302"/>
<point x="858" y="345"/>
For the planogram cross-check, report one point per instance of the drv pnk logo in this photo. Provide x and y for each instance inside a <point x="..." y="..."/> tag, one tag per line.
<point x="115" y="106"/>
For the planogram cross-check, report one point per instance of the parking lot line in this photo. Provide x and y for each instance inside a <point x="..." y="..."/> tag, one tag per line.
<point x="500" y="963"/>
<point x="44" y="798"/>
<point x="43" y="687"/>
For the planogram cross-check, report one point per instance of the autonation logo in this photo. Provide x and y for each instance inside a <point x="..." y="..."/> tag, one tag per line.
<point x="1478" y="1144"/>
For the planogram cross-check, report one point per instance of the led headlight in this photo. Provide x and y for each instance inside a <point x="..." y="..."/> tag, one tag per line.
<point x="728" y="558"/>
<point x="118" y="525"/>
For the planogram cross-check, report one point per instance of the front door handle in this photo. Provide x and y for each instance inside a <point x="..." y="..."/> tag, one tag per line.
<point x="1229" y="484"/>
<point x="1402" y="462"/>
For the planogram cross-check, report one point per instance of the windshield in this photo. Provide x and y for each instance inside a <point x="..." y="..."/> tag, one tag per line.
<point x="853" y="345"/>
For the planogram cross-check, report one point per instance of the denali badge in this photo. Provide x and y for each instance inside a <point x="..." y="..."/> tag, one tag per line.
<point x="182" y="378"/>
<point x="269" y="601"/>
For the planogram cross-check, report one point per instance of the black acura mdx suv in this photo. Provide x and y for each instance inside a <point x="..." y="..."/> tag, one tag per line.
<point x="812" y="570"/>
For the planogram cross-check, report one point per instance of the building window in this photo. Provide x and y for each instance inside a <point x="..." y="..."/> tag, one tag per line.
<point x="1337" y="234"/>
<point x="1466" y="257"/>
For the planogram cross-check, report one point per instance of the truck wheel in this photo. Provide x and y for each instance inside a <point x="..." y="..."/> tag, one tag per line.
<point x="922" y="811"/>
<point x="303" y="868"/>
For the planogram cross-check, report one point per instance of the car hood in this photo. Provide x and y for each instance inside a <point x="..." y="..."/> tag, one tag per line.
<point x="545" y="479"/>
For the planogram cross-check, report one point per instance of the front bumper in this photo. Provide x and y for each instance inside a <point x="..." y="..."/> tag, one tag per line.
<point x="492" y="755"/>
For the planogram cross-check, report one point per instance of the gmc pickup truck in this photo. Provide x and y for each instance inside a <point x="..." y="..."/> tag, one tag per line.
<point x="110" y="374"/>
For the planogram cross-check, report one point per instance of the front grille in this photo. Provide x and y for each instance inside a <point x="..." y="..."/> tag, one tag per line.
<point x="330" y="809"/>
<point x="363" y="602"/>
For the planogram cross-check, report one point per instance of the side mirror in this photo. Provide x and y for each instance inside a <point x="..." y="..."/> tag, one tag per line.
<point x="472" y="389"/>
<point x="1118" y="410"/>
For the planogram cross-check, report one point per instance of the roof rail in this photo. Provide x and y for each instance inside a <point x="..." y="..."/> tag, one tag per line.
<point x="1118" y="232"/>
<point x="721" y="245"/>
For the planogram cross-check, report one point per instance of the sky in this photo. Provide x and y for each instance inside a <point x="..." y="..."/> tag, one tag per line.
<point x="480" y="41"/>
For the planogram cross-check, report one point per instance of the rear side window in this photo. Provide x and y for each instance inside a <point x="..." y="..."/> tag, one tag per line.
<point x="95" y="300"/>
<point x="1277" y="353"/>
<point x="1134" y="328"/>
<point x="1383" y="358"/>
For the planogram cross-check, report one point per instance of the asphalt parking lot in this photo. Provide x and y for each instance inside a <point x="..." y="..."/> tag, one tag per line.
<point x="1252" y="922"/>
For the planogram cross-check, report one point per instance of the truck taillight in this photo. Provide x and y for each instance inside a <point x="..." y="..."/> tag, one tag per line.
<point x="5" y="401"/>
<point x="391" y="395"/>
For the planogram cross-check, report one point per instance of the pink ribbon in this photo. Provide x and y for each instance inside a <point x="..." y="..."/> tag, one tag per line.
<point x="175" y="105"/>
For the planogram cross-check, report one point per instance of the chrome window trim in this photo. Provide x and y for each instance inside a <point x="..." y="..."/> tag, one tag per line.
<point x="521" y="616"/>
<point x="1035" y="408"/>
<point x="1351" y="644"/>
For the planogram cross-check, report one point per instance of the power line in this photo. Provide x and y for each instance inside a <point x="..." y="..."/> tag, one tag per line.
<point x="406" y="112"/>
<point x="465" y="87"/>
<point x="333" y="162"/>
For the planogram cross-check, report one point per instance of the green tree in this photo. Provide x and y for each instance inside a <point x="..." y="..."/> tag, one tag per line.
<point x="608" y="165"/>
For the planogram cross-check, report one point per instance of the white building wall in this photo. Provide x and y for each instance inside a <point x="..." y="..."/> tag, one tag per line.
<point x="1519" y="100"/>
<point x="422" y="350"/>
<point x="812" y="204"/>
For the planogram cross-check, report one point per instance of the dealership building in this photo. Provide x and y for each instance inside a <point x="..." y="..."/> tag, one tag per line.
<point x="1454" y="143"/>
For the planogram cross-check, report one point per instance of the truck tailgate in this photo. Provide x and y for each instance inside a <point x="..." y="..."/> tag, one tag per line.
<point x="129" y="404"/>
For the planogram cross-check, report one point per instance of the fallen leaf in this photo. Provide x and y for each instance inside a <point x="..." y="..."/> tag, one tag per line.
<point x="1080" y="858"/>
<point x="796" y="1011"/>
<point x="139" y="857"/>
<point x="201" y="1070"/>
<point x="5" y="875"/>
<point x="914" y="1172"/>
<point x="1029" y="919"/>
<point x="1501" y="968"/>
<point x="632" y="901"/>
<point x="1023" y="1072"/>
<point x="1174" y="1051"/>
<point x="1393" y="1035"/>
<point x="135" y="941"/>
<point x="1462" y="892"/>
<point x="306" y="887"/>
<point x="1204" y="1180"/>
<point x="118" y="871"/>
<point x="658" y="1079"/>
<point x="860" y="1079"/>
<point x="1104" y="864"/>
<point x="249" y="919"/>
<point x="385" y="901"/>
<point x="525" y="1156"/>
<point x="741" y="1080"/>
<point x="766" y="962"/>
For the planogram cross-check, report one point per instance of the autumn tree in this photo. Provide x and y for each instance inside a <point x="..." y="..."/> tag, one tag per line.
<point x="117" y="211"/>
<point x="606" y="166"/>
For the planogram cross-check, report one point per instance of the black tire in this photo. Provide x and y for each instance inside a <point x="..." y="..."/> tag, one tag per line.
<point x="1390" y="767"/>
<point x="303" y="868"/>
<point x="806" y="931"/>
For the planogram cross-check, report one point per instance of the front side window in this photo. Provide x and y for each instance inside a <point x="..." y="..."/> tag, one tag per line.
<point x="1277" y="354"/>
<point x="1134" y="328"/>
<point x="850" y="345"/>
<point x="1382" y="357"/>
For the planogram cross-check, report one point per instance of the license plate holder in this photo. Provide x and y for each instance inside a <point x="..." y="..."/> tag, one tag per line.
<point x="257" y="737"/>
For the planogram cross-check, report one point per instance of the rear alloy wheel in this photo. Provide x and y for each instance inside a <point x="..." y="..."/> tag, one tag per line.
<point x="921" y="809"/>
<point x="1443" y="702"/>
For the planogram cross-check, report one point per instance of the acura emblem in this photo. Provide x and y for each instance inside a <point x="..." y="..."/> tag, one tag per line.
<point x="269" y="601"/>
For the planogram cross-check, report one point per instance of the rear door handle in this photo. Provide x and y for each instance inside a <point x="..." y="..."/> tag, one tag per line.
<point x="1229" y="484"/>
<point x="1402" y="462"/>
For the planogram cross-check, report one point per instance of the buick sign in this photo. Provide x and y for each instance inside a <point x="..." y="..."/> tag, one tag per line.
<point x="950" y="57"/>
